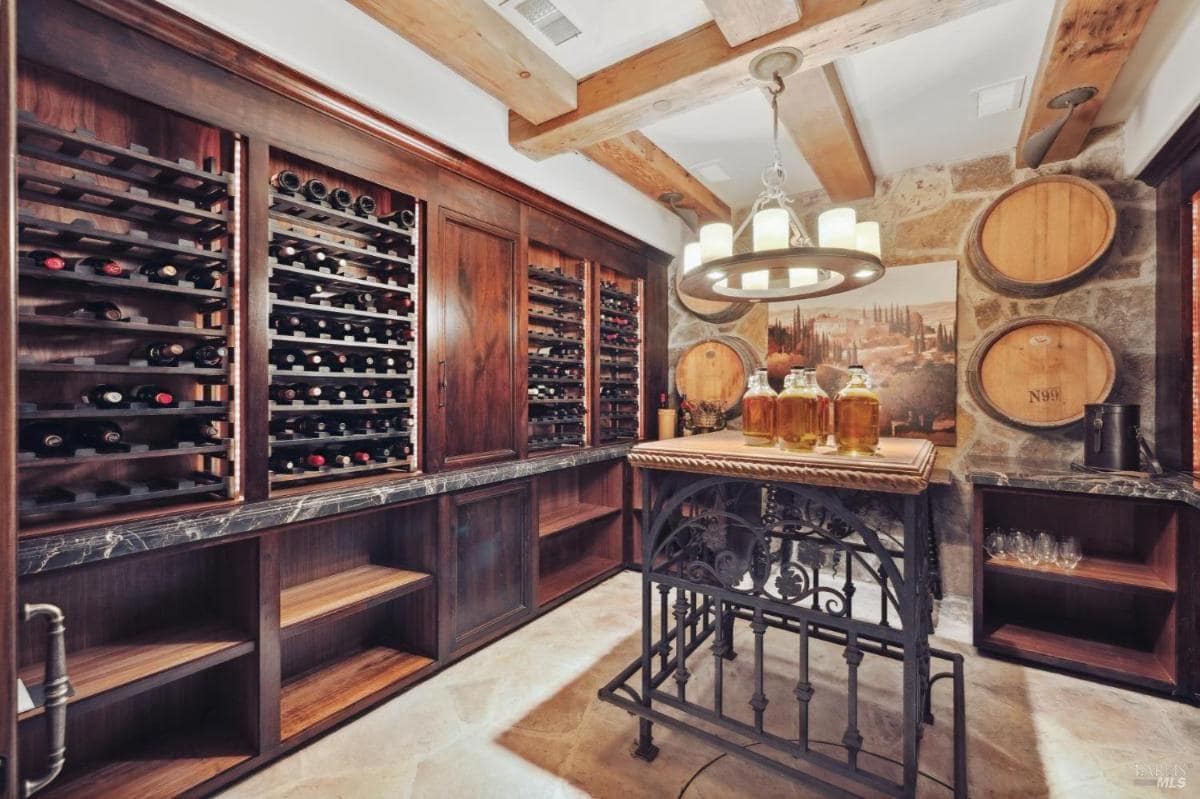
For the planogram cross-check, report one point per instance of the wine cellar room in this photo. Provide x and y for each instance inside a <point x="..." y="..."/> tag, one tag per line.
<point x="552" y="398"/>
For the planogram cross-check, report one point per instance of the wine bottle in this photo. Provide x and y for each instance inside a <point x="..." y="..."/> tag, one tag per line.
<point x="356" y="392"/>
<point x="314" y="460"/>
<point x="283" y="393"/>
<point x="283" y="425"/>
<point x="286" y="323"/>
<point x="99" y="266"/>
<point x="101" y="311"/>
<point x="397" y="302"/>
<point x="316" y="326"/>
<point x="354" y="299"/>
<point x="46" y="259"/>
<point x="208" y="356"/>
<point x="311" y="393"/>
<point x="338" y="427"/>
<point x="283" y="253"/>
<point x="160" y="353"/>
<point x="298" y="289"/>
<point x="312" y="425"/>
<point x="334" y="360"/>
<point x="315" y="190"/>
<point x="314" y="360"/>
<point x="359" y="456"/>
<point x="337" y="457"/>
<point x="287" y="357"/>
<point x="365" y="205"/>
<point x="286" y="181"/>
<point x="315" y="259"/>
<point x="204" y="277"/>
<point x="104" y="396"/>
<point x="98" y="433"/>
<point x="341" y="199"/>
<point x="198" y="431"/>
<point x="282" y="463"/>
<point x="160" y="272"/>
<point x="44" y="438"/>
<point x="403" y="218"/>
<point x="340" y="328"/>
<point x="383" y="393"/>
<point x="154" y="396"/>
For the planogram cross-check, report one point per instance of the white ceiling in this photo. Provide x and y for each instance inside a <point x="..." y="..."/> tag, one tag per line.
<point x="912" y="99"/>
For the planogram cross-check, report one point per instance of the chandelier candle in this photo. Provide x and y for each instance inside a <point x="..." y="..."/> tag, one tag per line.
<point x="856" y="416"/>
<point x="758" y="411"/>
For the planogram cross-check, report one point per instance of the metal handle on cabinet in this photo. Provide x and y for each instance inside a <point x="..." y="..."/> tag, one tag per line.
<point x="56" y="687"/>
<point x="441" y="384"/>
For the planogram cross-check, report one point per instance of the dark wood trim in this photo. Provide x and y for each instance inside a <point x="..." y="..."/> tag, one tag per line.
<point x="255" y="296"/>
<point x="8" y="388"/>
<point x="1178" y="149"/>
<point x="655" y="290"/>
<point x="190" y="36"/>
<point x="268" y="646"/>
<point x="1173" y="324"/>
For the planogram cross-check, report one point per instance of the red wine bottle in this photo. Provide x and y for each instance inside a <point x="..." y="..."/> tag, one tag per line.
<point x="286" y="181"/>
<point x="336" y="361"/>
<point x="208" y="356"/>
<point x="205" y="277"/>
<point x="317" y="326"/>
<point x="359" y="456"/>
<point x="315" y="259"/>
<point x="341" y="199"/>
<point x="198" y="431"/>
<point x="45" y="259"/>
<point x="383" y="393"/>
<point x="44" y="438"/>
<point x="159" y="353"/>
<point x="286" y="323"/>
<point x="99" y="433"/>
<point x="283" y="393"/>
<point x="397" y="302"/>
<point x="312" y="425"/>
<point x="104" y="396"/>
<point x="160" y="272"/>
<point x="311" y="393"/>
<point x="100" y="311"/>
<point x="287" y="357"/>
<point x="356" y="392"/>
<point x="99" y="266"/>
<point x="403" y="218"/>
<point x="314" y="460"/>
<point x="283" y="253"/>
<point x="154" y="396"/>
<point x="315" y="190"/>
<point x="365" y="205"/>
<point x="282" y="463"/>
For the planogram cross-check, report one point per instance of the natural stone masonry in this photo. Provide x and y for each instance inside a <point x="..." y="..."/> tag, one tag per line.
<point x="926" y="215"/>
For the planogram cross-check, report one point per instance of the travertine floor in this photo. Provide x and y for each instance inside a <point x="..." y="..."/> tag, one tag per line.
<point x="521" y="719"/>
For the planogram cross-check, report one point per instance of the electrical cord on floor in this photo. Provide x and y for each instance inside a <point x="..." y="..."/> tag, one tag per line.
<point x="701" y="770"/>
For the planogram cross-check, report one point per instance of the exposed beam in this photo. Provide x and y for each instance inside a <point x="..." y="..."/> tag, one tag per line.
<point x="477" y="42"/>
<point x="741" y="21"/>
<point x="699" y="67"/>
<point x="1088" y="43"/>
<point x="817" y="116"/>
<point x="642" y="164"/>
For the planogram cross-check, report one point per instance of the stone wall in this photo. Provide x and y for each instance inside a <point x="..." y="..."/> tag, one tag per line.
<point x="926" y="215"/>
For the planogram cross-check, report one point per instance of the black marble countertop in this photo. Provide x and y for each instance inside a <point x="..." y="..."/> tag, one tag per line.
<point x="47" y="553"/>
<point x="1060" y="477"/>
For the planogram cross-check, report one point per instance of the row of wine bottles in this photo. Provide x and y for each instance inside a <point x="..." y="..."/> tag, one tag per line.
<point x="557" y="412"/>
<point x="170" y="353"/>
<point x="290" y="324"/>
<point x="316" y="190"/>
<point x="202" y="277"/>
<point x="614" y="320"/>
<point x="110" y="396"/>
<point x="544" y="391"/>
<point x="566" y="332"/>
<point x="53" y="438"/>
<point x="315" y="293"/>
<point x="321" y="261"/>
<point x="287" y="462"/>
<point x="293" y="357"/>
<point x="537" y="293"/>
<point x="557" y="439"/>
<point x="618" y="393"/>
<point x="305" y="392"/>
<point x="620" y="339"/>
<point x="563" y="352"/>
<point x="551" y="371"/>
<point x="356" y="425"/>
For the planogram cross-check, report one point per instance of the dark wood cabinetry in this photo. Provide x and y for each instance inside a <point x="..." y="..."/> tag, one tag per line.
<point x="487" y="555"/>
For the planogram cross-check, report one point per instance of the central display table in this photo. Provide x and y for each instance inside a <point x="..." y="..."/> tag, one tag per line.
<point x="735" y="533"/>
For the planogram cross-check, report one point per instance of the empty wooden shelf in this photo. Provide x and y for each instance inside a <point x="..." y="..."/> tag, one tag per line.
<point x="345" y="592"/>
<point x="564" y="518"/>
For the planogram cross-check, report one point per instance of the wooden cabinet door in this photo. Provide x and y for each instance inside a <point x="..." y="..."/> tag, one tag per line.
<point x="476" y="281"/>
<point x="8" y="392"/>
<point x="488" y="558"/>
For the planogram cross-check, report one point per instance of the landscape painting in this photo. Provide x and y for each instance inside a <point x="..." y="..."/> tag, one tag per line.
<point x="902" y="329"/>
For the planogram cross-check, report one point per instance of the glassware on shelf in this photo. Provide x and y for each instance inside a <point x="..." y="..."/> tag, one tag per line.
<point x="1045" y="548"/>
<point x="1020" y="545"/>
<point x="996" y="544"/>
<point x="1069" y="552"/>
<point x="856" y="416"/>
<point x="758" y="411"/>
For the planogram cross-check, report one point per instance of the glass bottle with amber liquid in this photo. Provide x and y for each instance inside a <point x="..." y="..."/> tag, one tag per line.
<point x="758" y="411"/>
<point x="800" y="409"/>
<point x="825" y="412"/>
<point x="856" y="416"/>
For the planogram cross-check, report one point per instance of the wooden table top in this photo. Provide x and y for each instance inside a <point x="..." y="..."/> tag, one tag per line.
<point x="902" y="466"/>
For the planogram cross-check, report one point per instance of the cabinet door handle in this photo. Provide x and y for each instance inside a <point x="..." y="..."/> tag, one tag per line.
<point x="441" y="384"/>
<point x="56" y="686"/>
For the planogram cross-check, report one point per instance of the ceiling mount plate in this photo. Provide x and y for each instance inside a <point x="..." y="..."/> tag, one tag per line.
<point x="781" y="61"/>
<point x="1076" y="96"/>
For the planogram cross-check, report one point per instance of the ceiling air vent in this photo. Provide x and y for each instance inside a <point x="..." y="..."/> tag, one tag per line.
<point x="545" y="16"/>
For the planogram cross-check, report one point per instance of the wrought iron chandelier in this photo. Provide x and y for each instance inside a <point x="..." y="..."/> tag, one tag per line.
<point x="784" y="264"/>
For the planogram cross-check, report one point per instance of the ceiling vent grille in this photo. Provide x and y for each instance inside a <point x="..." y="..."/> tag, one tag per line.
<point x="545" y="16"/>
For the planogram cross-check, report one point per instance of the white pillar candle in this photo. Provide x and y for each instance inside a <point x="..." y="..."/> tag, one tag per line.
<point x="716" y="241"/>
<point x="691" y="256"/>
<point x="835" y="228"/>
<point x="866" y="236"/>
<point x="802" y="277"/>
<point x="756" y="281"/>
<point x="771" y="230"/>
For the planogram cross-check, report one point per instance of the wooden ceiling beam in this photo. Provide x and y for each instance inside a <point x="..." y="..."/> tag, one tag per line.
<point x="645" y="166"/>
<point x="478" y="43"/>
<point x="700" y="67"/>
<point x="1088" y="43"/>
<point x="816" y="114"/>
<point x="741" y="21"/>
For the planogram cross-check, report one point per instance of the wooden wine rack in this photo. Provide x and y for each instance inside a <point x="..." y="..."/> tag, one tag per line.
<point x="620" y="363"/>
<point x="558" y="322"/>
<point x="369" y="250"/>
<point x="80" y="195"/>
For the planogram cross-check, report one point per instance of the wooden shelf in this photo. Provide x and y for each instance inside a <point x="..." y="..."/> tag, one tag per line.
<point x="311" y="698"/>
<point x="340" y="343"/>
<point x="334" y="438"/>
<point x="573" y="516"/>
<point x="554" y="299"/>
<point x="348" y="406"/>
<point x="101" y="494"/>
<point x="567" y="342"/>
<point x="329" y="278"/>
<point x="121" y="368"/>
<point x="347" y="375"/>
<point x="325" y="472"/>
<point x="133" y="454"/>
<point x="368" y="256"/>
<point x="345" y="592"/>
<point x="129" y="283"/>
<point x="554" y="320"/>
<point x="1099" y="572"/>
<point x="186" y="408"/>
<point x="183" y="331"/>
<point x="296" y="209"/>
<point x="339" y="310"/>
<point x="1111" y="660"/>
<point x="88" y="238"/>
<point x="123" y="668"/>
<point x="560" y="581"/>
<point x="170" y="766"/>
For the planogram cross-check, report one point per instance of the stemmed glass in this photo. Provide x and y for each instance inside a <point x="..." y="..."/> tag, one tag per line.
<point x="1069" y="552"/>
<point x="996" y="544"/>
<point x="1021" y="545"/>
<point x="1045" y="548"/>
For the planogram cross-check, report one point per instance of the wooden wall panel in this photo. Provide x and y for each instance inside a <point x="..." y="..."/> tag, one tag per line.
<point x="8" y="388"/>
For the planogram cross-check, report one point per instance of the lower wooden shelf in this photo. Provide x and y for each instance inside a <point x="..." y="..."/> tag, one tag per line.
<point x="316" y="695"/>
<point x="169" y="767"/>
<point x="1099" y="572"/>
<point x="571" y="516"/>
<point x="123" y="668"/>
<point x="344" y="592"/>
<point x="1112" y="660"/>
<point x="564" y="579"/>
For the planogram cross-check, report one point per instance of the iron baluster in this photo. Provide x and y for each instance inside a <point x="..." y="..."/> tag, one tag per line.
<point x="853" y="739"/>
<point x="758" y="702"/>
<point x="718" y="650"/>
<point x="664" y="616"/>
<point x="804" y="689"/>
<point x="682" y="675"/>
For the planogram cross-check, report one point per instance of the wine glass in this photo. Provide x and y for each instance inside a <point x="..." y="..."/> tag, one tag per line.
<point x="996" y="544"/>
<point x="1069" y="552"/>
<point x="1021" y="545"/>
<point x="1045" y="548"/>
